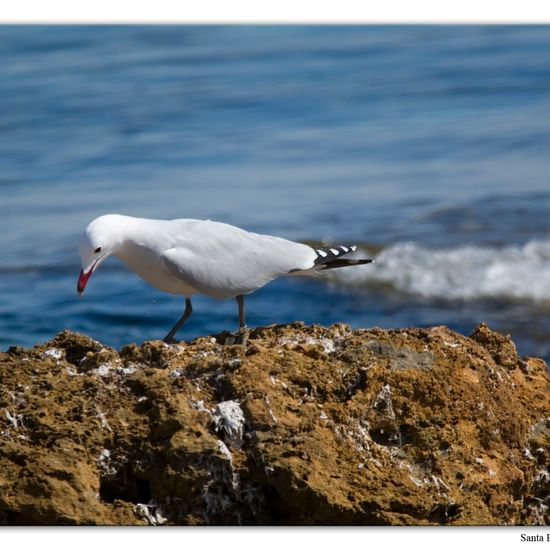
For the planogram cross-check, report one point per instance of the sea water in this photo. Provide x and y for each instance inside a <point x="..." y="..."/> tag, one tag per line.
<point x="428" y="146"/>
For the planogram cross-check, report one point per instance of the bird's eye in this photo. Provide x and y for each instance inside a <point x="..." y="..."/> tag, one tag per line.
<point x="97" y="250"/>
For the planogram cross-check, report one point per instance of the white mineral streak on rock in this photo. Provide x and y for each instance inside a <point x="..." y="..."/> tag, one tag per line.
<point x="384" y="397"/>
<point x="54" y="353"/>
<point x="103" y="418"/>
<point x="130" y="369"/>
<point x="527" y="454"/>
<point x="327" y="344"/>
<point x="451" y="345"/>
<point x="72" y="372"/>
<point x="176" y="373"/>
<point x="199" y="405"/>
<point x="226" y="452"/>
<point x="104" y="463"/>
<point x="228" y="416"/>
<point x="271" y="414"/>
<point x="12" y="418"/>
<point x="103" y="369"/>
<point x="152" y="512"/>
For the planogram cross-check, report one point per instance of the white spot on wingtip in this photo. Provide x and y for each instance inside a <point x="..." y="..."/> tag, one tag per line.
<point x="345" y="249"/>
<point x="321" y="253"/>
<point x="334" y="250"/>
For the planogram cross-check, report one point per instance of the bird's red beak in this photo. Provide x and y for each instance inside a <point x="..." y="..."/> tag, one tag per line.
<point x="83" y="280"/>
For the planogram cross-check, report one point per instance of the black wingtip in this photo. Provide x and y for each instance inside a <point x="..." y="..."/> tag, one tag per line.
<point x="330" y="253"/>
<point x="345" y="263"/>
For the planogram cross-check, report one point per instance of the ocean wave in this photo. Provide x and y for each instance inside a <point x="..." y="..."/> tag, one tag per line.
<point x="459" y="273"/>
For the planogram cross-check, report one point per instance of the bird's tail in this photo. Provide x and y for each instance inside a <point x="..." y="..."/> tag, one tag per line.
<point x="344" y="263"/>
<point x="330" y="258"/>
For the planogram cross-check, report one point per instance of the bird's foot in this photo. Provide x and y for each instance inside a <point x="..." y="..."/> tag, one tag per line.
<point x="233" y="338"/>
<point x="242" y="336"/>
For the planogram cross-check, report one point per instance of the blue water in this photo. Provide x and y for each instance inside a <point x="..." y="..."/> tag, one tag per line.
<point x="430" y="143"/>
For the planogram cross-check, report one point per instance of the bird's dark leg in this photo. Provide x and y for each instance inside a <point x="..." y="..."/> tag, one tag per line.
<point x="241" y="336"/>
<point x="242" y="322"/>
<point x="169" y="338"/>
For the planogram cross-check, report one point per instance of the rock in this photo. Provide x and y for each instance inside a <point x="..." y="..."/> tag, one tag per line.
<point x="304" y="425"/>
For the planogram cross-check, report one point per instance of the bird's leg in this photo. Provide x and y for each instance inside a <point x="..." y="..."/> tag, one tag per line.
<point x="241" y="336"/>
<point x="169" y="338"/>
<point x="242" y="322"/>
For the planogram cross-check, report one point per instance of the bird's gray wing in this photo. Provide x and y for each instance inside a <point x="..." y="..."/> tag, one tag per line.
<point x="223" y="261"/>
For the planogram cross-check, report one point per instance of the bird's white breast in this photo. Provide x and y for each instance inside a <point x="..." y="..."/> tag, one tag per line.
<point x="148" y="264"/>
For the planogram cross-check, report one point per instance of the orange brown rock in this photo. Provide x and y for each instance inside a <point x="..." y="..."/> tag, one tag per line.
<point x="341" y="427"/>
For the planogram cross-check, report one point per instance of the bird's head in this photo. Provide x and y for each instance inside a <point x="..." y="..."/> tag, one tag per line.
<point x="96" y="243"/>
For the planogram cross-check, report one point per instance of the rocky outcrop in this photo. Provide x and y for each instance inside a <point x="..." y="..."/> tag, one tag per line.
<point x="302" y="425"/>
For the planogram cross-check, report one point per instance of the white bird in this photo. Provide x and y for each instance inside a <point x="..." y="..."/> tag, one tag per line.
<point x="188" y="256"/>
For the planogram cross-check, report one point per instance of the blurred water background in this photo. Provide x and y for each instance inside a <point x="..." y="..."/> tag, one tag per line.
<point x="429" y="146"/>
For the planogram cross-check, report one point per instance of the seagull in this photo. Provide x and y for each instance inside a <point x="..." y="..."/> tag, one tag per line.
<point x="187" y="256"/>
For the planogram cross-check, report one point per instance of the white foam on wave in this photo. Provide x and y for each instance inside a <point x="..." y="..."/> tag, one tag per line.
<point x="463" y="273"/>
